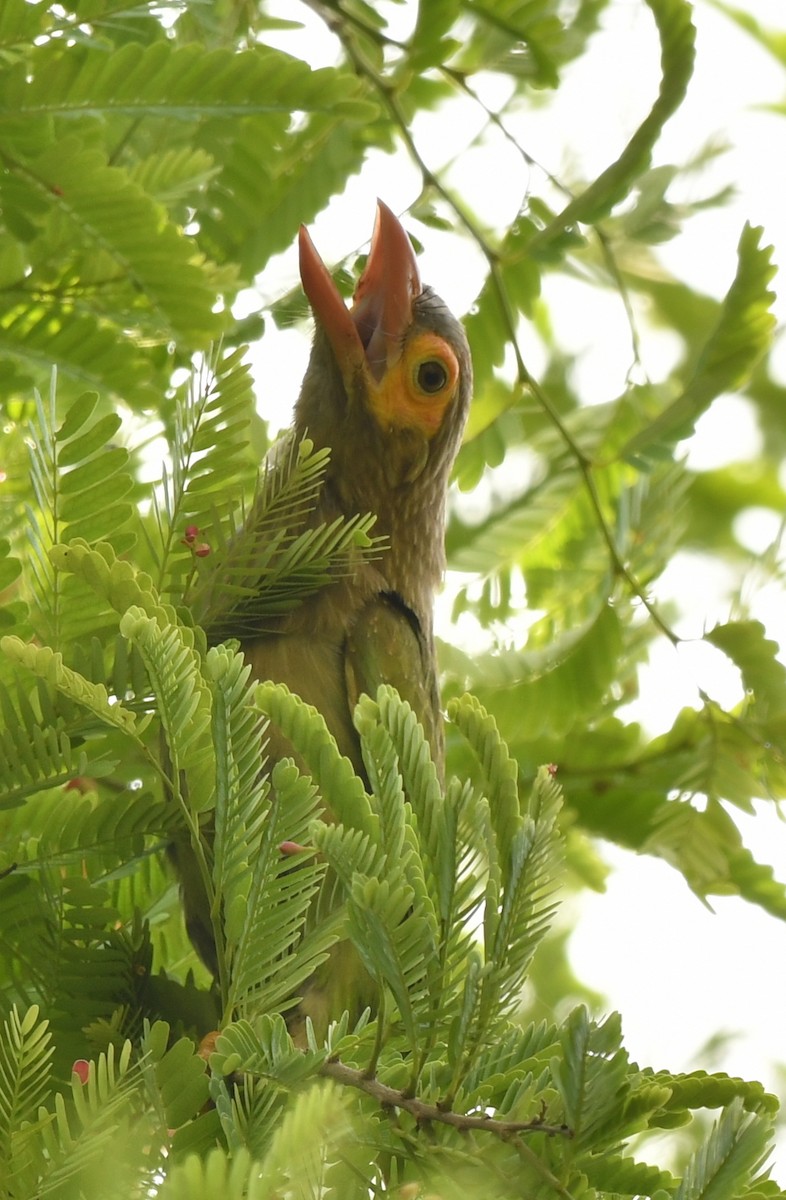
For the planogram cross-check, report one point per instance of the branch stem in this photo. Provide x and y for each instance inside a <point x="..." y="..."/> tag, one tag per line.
<point x="388" y="1097"/>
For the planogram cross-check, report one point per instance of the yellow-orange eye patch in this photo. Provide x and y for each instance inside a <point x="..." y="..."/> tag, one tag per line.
<point x="416" y="391"/>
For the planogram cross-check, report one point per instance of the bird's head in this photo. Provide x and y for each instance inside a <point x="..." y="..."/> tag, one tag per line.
<point x="390" y="377"/>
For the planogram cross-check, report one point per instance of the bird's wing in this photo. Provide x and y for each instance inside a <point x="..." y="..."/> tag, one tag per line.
<point x="387" y="645"/>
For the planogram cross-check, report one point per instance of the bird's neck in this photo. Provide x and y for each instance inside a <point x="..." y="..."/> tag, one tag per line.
<point x="414" y="561"/>
<point x="411" y="518"/>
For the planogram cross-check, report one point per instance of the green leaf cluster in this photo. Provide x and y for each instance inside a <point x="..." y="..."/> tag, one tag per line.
<point x="154" y="162"/>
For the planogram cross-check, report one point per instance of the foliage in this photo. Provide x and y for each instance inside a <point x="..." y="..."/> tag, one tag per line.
<point x="153" y="161"/>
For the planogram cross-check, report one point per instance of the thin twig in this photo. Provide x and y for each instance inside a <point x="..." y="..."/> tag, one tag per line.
<point x="424" y="1113"/>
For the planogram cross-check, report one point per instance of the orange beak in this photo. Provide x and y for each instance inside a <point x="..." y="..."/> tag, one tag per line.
<point x="369" y="336"/>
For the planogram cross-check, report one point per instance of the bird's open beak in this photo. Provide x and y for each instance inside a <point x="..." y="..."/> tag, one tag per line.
<point x="369" y="336"/>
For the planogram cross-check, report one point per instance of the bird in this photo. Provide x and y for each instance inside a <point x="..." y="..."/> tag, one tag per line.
<point x="387" y="389"/>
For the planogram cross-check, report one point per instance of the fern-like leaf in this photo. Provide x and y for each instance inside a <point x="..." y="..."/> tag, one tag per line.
<point x="277" y="559"/>
<point x="111" y="214"/>
<point x="698" y="1089"/>
<point x="48" y="664"/>
<point x="522" y="858"/>
<point x="592" y="1076"/>
<point x="184" y="701"/>
<point x="339" y="786"/>
<point x="545" y="690"/>
<point x="80" y="483"/>
<point x="439" y="863"/>
<point x="212" y="470"/>
<point x="113" y="579"/>
<point x="623" y="1175"/>
<point x="25" y="1066"/>
<point x="301" y="166"/>
<point x="264" y="1049"/>
<point x="164" y="79"/>
<point x="241" y="788"/>
<point x="77" y="1142"/>
<point x="319" y="1122"/>
<point x="91" y="354"/>
<point x="728" y="1160"/>
<point x="181" y="1083"/>
<point x="195" y="1177"/>
<point x="272" y="951"/>
<point x="36" y="755"/>
<point x="499" y="769"/>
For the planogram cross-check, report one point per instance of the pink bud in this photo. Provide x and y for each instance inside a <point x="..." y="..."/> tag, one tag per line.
<point x="81" y="1068"/>
<point x="291" y="848"/>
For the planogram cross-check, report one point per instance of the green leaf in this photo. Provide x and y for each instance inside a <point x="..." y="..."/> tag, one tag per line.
<point x="622" y="1175"/>
<point x="545" y="689"/>
<point x="48" y="664"/>
<point x="111" y="213"/>
<point x="699" y="1089"/>
<point x="112" y="578"/>
<point x="93" y="354"/>
<point x="318" y="1121"/>
<point x="727" y="1161"/>
<point x="740" y="338"/>
<point x="277" y="559"/>
<point x="301" y="168"/>
<point x="163" y="79"/>
<point x="500" y="771"/>
<point x="273" y="954"/>
<point x="591" y="1077"/>
<point x="184" y="701"/>
<point x="78" y="413"/>
<point x="772" y="40"/>
<point x="340" y="788"/>
<point x="10" y="568"/>
<point x="756" y="655"/>
<point x="428" y="41"/>
<point x="73" y="450"/>
<point x="181" y="1079"/>
<point x="677" y="37"/>
<point x="25" y="1067"/>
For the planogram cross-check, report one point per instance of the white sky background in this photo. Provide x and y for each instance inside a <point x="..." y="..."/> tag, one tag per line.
<point x="686" y="973"/>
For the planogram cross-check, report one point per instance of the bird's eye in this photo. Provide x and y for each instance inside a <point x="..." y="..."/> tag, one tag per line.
<point x="431" y="376"/>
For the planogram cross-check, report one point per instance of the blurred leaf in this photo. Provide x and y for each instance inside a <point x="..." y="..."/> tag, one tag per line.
<point x="677" y="35"/>
<point x="773" y="40"/>
<point x="763" y="675"/>
<point x="740" y="338"/>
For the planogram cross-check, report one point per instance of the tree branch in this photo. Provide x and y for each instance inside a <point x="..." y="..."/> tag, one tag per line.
<point x="388" y="1097"/>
